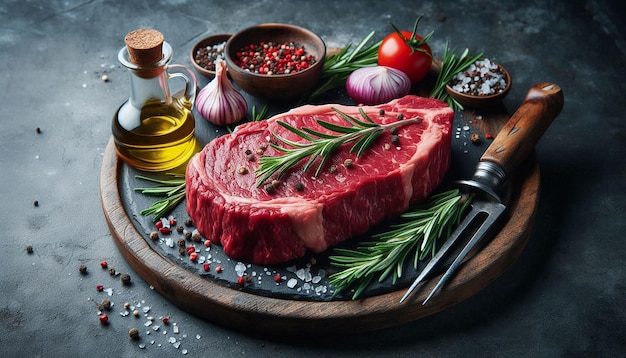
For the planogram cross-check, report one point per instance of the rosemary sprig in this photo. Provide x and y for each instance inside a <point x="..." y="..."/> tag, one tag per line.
<point x="172" y="191"/>
<point x="450" y="66"/>
<point x="339" y="66"/>
<point x="255" y="115"/>
<point x="322" y="145"/>
<point x="259" y="115"/>
<point x="415" y="236"/>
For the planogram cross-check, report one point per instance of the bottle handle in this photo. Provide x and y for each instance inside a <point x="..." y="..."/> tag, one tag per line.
<point x="188" y="96"/>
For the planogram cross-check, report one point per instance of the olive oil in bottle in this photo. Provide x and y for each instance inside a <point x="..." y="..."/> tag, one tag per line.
<point x="165" y="138"/>
<point x="153" y="130"/>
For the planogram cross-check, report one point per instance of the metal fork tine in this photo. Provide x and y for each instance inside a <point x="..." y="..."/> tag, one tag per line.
<point x="442" y="252"/>
<point x="493" y="211"/>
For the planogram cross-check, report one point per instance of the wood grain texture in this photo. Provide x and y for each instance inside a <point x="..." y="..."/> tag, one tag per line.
<point x="254" y="313"/>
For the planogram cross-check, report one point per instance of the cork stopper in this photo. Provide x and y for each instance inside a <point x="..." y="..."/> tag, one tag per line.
<point x="145" y="46"/>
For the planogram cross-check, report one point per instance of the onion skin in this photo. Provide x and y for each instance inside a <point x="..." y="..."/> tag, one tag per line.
<point x="377" y="84"/>
<point x="219" y="102"/>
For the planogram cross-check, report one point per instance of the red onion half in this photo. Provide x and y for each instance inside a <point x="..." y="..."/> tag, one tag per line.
<point x="377" y="84"/>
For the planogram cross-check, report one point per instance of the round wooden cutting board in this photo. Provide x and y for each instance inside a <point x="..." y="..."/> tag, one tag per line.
<point x="254" y="311"/>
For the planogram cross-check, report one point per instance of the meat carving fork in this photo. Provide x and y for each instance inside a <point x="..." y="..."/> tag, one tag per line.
<point x="515" y="141"/>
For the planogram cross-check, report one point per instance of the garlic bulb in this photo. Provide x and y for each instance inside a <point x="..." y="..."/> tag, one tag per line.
<point x="219" y="102"/>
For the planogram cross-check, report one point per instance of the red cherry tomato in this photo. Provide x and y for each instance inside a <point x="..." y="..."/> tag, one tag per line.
<point x="407" y="52"/>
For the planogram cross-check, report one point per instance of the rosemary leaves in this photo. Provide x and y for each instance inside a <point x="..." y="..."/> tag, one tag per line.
<point x="451" y="65"/>
<point x="322" y="145"/>
<point x="415" y="236"/>
<point x="172" y="191"/>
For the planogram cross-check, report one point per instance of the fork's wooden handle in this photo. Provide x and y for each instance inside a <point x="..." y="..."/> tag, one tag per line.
<point x="517" y="139"/>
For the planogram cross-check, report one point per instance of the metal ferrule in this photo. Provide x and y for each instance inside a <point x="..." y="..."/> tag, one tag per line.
<point x="489" y="177"/>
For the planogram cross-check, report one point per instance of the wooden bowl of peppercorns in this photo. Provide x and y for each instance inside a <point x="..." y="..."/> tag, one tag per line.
<point x="206" y="51"/>
<point x="484" y="84"/>
<point x="275" y="62"/>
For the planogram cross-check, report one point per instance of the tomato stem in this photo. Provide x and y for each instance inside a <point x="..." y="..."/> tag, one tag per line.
<point x="414" y="42"/>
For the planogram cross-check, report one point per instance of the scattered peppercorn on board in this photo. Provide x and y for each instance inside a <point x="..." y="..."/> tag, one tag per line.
<point x="295" y="298"/>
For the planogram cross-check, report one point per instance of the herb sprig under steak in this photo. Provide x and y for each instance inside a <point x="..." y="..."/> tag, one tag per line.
<point x="415" y="236"/>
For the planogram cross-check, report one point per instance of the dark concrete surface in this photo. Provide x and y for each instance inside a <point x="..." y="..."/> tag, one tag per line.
<point x="564" y="297"/>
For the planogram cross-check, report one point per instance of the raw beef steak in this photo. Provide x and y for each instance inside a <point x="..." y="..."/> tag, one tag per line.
<point x="314" y="213"/>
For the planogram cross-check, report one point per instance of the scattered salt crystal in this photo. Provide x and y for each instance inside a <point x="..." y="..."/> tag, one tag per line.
<point x="109" y="291"/>
<point x="321" y="273"/>
<point x="148" y="323"/>
<point x="292" y="283"/>
<point x="155" y="328"/>
<point x="316" y="279"/>
<point x="146" y="309"/>
<point x="169" y="242"/>
<point x="198" y="336"/>
<point x="466" y="128"/>
<point x="240" y="268"/>
<point x="184" y="351"/>
<point x="172" y="340"/>
<point x="142" y="345"/>
<point x="175" y="329"/>
<point x="291" y="268"/>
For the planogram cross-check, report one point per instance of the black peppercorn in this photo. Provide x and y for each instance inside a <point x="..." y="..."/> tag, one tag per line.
<point x="125" y="279"/>
<point x="188" y="222"/>
<point x="106" y="304"/>
<point x="299" y="186"/>
<point x="112" y="271"/>
<point x="82" y="269"/>
<point x="395" y="140"/>
<point x="270" y="189"/>
<point x="29" y="249"/>
<point x="133" y="333"/>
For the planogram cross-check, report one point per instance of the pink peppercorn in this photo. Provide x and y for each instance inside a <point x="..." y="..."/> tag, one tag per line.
<point x="193" y="257"/>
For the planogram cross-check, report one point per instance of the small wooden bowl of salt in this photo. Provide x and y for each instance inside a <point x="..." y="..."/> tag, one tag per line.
<point x="483" y="84"/>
